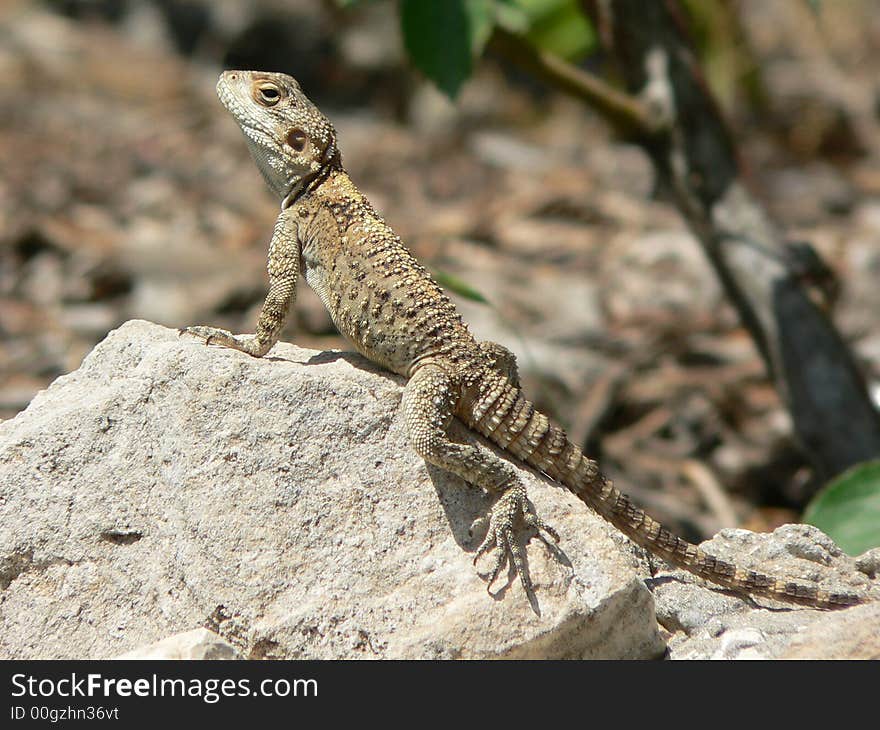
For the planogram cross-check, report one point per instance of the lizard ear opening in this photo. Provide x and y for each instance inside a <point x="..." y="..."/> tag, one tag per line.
<point x="297" y="139"/>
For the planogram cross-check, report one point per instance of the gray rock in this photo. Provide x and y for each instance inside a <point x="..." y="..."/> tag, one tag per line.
<point x="195" y="644"/>
<point x="715" y="624"/>
<point x="166" y="485"/>
<point x="851" y="634"/>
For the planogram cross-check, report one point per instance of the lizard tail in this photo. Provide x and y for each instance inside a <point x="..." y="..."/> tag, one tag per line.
<point x="514" y="424"/>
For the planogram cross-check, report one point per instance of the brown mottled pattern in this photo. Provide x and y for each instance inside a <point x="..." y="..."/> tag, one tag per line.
<point x="388" y="305"/>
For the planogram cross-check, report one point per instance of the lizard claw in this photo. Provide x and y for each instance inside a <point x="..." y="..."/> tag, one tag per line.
<point x="501" y="535"/>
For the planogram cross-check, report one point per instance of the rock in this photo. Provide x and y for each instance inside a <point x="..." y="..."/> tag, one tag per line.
<point x="195" y="644"/>
<point x="715" y="624"/>
<point x="275" y="502"/>
<point x="165" y="485"/>
<point x="634" y="266"/>
<point x="852" y="634"/>
<point x="506" y="151"/>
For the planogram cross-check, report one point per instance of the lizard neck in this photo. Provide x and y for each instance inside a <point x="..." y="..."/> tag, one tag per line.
<point x="309" y="184"/>
<point x="335" y="185"/>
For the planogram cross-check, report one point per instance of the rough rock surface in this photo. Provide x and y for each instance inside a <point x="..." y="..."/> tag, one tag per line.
<point x="195" y="644"/>
<point x="166" y="485"/>
<point x="714" y="624"/>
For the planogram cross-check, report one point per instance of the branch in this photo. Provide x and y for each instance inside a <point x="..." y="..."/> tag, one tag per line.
<point x="834" y="419"/>
<point x="625" y="112"/>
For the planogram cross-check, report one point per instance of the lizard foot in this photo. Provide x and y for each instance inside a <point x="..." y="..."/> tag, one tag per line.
<point x="501" y="535"/>
<point x="217" y="336"/>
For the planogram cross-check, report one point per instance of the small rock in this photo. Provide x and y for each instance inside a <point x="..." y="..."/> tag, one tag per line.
<point x="718" y="624"/>
<point x="195" y="644"/>
<point x="850" y="634"/>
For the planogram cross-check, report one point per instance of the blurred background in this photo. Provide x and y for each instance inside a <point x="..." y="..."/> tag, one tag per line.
<point x="126" y="191"/>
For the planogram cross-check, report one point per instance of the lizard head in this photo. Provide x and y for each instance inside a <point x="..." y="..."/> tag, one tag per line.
<point x="291" y="141"/>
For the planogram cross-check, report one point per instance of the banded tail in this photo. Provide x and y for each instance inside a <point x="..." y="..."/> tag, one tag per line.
<point x="503" y="415"/>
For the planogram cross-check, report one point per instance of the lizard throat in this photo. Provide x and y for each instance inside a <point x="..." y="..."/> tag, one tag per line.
<point x="331" y="161"/>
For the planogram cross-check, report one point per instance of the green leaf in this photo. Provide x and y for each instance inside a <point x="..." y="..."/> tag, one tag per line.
<point x="456" y="285"/>
<point x="481" y="20"/>
<point x="848" y="509"/>
<point x="559" y="26"/>
<point x="510" y="16"/>
<point x="443" y="36"/>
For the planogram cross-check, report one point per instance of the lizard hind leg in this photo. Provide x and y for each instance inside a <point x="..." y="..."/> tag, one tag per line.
<point x="429" y="403"/>
<point x="502" y="360"/>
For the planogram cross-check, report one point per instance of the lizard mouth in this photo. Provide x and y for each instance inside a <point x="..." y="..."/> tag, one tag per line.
<point x="232" y="95"/>
<point x="226" y="95"/>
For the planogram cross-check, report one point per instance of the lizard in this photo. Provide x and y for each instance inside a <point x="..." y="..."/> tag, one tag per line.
<point x="388" y="305"/>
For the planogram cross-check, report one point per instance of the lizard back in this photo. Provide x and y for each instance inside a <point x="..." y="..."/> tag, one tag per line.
<point x="378" y="295"/>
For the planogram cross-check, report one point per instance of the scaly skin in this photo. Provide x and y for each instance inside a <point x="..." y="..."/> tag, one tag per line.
<point x="388" y="305"/>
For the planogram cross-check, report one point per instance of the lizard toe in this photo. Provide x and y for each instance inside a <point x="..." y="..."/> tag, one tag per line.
<point x="502" y="537"/>
<point x="205" y="333"/>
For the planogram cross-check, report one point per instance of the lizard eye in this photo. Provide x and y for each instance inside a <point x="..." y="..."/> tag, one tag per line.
<point x="297" y="139"/>
<point x="268" y="95"/>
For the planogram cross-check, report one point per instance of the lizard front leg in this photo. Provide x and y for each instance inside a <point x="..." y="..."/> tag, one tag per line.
<point x="429" y="402"/>
<point x="283" y="266"/>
